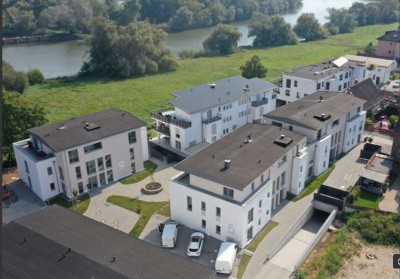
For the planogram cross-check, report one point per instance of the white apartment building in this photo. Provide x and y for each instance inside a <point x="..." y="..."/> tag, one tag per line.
<point x="205" y="113"/>
<point x="333" y="123"/>
<point x="332" y="75"/>
<point x="81" y="153"/>
<point x="229" y="189"/>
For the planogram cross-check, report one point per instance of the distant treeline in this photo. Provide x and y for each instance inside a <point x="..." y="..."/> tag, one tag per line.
<point x="39" y="17"/>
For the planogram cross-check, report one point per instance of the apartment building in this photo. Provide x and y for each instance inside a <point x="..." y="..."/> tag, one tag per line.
<point x="332" y="75"/>
<point x="229" y="189"/>
<point x="389" y="45"/>
<point x="203" y="114"/>
<point x="333" y="123"/>
<point x="81" y="153"/>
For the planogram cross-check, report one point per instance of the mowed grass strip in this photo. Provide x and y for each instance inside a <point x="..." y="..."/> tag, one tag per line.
<point x="149" y="168"/>
<point x="80" y="206"/>
<point x="66" y="98"/>
<point x="254" y="244"/>
<point x="144" y="209"/>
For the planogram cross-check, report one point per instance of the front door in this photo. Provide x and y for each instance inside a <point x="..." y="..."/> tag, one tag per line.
<point x="378" y="80"/>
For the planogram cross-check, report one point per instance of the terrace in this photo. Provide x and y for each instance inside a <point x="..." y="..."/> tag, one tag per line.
<point x="169" y="117"/>
<point x="28" y="149"/>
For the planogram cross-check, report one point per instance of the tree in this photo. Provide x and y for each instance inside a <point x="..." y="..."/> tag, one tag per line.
<point x="223" y="40"/>
<point x="253" y="68"/>
<point x="343" y="19"/>
<point x="130" y="12"/>
<point x="13" y="80"/>
<point x="35" y="76"/>
<point x="271" y="31"/>
<point x="19" y="114"/>
<point x="308" y="27"/>
<point x="370" y="49"/>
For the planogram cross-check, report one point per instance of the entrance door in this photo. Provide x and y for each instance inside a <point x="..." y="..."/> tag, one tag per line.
<point x="378" y="80"/>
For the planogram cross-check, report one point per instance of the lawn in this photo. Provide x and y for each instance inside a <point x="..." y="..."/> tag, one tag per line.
<point x="144" y="209"/>
<point x="66" y="98"/>
<point x="313" y="184"/>
<point x="166" y="210"/>
<point x="254" y="244"/>
<point x="81" y="206"/>
<point x="244" y="261"/>
<point x="368" y="199"/>
<point x="149" y="168"/>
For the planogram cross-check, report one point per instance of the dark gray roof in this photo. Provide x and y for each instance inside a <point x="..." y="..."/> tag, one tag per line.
<point x="74" y="133"/>
<point x="51" y="231"/>
<point x="367" y="91"/>
<point x="391" y="36"/>
<point x="321" y="70"/>
<point x="247" y="162"/>
<point x="302" y="111"/>
<point x="203" y="97"/>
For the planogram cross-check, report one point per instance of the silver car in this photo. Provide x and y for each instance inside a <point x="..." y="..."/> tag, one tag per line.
<point x="195" y="245"/>
<point x="396" y="84"/>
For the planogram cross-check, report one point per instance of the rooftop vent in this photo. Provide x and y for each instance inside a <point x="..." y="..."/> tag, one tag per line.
<point x="91" y="126"/>
<point x="283" y="141"/>
<point x="213" y="85"/>
<point x="248" y="139"/>
<point x="322" y="117"/>
<point x="282" y="136"/>
<point x="227" y="163"/>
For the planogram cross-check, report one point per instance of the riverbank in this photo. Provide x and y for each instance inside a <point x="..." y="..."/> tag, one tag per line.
<point x="40" y="39"/>
<point x="65" y="98"/>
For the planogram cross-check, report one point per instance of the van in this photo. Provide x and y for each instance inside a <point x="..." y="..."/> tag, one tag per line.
<point x="169" y="235"/>
<point x="226" y="257"/>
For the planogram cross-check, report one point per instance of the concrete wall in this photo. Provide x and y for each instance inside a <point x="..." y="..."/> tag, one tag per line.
<point x="388" y="49"/>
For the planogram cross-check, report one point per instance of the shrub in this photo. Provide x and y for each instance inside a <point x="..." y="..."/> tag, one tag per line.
<point x="369" y="122"/>
<point x="186" y="53"/>
<point x="35" y="76"/>
<point x="393" y="119"/>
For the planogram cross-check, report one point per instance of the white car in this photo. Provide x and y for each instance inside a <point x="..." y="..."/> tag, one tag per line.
<point x="195" y="245"/>
<point x="396" y="83"/>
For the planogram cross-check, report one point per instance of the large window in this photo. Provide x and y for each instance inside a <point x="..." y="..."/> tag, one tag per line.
<point x="61" y="173"/>
<point x="26" y="167"/>
<point x="100" y="163"/>
<point x="52" y="186"/>
<point x="132" y="137"/>
<point x="133" y="167"/>
<point x="73" y="156"/>
<point x="218" y="229"/>
<point x="110" y="176"/>
<point x="108" y="161"/>
<point x="228" y="192"/>
<point x="78" y="172"/>
<point x="92" y="182"/>
<point x="250" y="216"/>
<point x="93" y="147"/>
<point x="80" y="187"/>
<point x="49" y="171"/>
<point x="288" y="83"/>
<point x="203" y="206"/>
<point x="91" y="167"/>
<point x="203" y="224"/>
<point x="189" y="203"/>
<point x="218" y="211"/>
<point x="132" y="153"/>
<point x="102" y="177"/>
<point x="250" y="234"/>
<point x="283" y="178"/>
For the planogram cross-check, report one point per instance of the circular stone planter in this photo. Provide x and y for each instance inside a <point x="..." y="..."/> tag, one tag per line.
<point x="152" y="188"/>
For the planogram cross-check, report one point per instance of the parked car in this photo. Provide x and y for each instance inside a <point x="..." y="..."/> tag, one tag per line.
<point x="396" y="84"/>
<point x="169" y="234"/>
<point x="5" y="192"/>
<point x="195" y="245"/>
<point x="226" y="257"/>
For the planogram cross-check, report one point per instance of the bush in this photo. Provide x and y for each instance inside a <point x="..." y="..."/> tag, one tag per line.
<point x="35" y="76"/>
<point x="13" y="80"/>
<point x="393" y="119"/>
<point x="369" y="122"/>
<point x="186" y="53"/>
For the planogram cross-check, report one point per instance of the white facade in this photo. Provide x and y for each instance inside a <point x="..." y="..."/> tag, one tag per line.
<point x="50" y="173"/>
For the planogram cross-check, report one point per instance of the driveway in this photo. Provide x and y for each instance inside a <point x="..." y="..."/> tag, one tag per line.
<point x="100" y="210"/>
<point x="391" y="202"/>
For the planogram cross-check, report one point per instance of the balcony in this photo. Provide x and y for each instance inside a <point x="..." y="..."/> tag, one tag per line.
<point x="161" y="128"/>
<point x="29" y="150"/>
<point x="259" y="103"/>
<point x="171" y="120"/>
<point x="212" y="119"/>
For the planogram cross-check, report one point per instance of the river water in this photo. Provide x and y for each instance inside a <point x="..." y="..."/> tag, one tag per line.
<point x="65" y="58"/>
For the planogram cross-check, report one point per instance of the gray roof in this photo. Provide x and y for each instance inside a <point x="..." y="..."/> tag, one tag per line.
<point x="321" y="70"/>
<point x="248" y="160"/>
<point x="391" y="36"/>
<point x="52" y="230"/>
<point x="367" y="91"/>
<point x="74" y="133"/>
<point x="227" y="90"/>
<point x="302" y="111"/>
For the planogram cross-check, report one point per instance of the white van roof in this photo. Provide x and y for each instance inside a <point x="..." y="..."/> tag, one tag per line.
<point x="225" y="251"/>
<point x="169" y="229"/>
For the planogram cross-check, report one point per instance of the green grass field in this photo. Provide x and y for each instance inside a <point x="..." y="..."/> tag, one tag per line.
<point x="149" y="168"/>
<point x="65" y="98"/>
<point x="80" y="207"/>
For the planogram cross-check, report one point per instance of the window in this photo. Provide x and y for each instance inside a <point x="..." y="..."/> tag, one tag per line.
<point x="218" y="211"/>
<point x="217" y="229"/>
<point x="335" y="123"/>
<point x="346" y="75"/>
<point x="92" y="182"/>
<point x="249" y="233"/>
<point x="203" y="223"/>
<point x="298" y="95"/>
<point x="327" y="85"/>
<point x="63" y="188"/>
<point x="373" y="77"/>
<point x="203" y="206"/>
<point x="287" y="92"/>
<point x="178" y="145"/>
<point x="310" y="171"/>
<point x="133" y="167"/>
<point x="73" y="156"/>
<point x="80" y="187"/>
<point x="49" y="171"/>
<point x="26" y="167"/>
<point x="349" y="74"/>
<point x="359" y="109"/>
<point x="110" y="176"/>
<point x="108" y="161"/>
<point x="93" y="147"/>
<point x="339" y="88"/>
<point x="318" y="86"/>
<point x="324" y="164"/>
<point x="299" y="184"/>
<point x="61" y="173"/>
<point x="52" y="186"/>
<point x="301" y="169"/>
<point x="250" y="215"/>
<point x="189" y="203"/>
<point x="295" y="83"/>
<point x="341" y="77"/>
<point x="228" y="192"/>
<point x="259" y="221"/>
<point x="260" y="203"/>
<point x="262" y="178"/>
<point x="78" y="172"/>
<point x="132" y="153"/>
<point x="102" y="177"/>
<point x="319" y="134"/>
<point x="290" y="128"/>
<point x="132" y="137"/>
<point x="269" y="194"/>
<point x="252" y="186"/>
<point x="345" y="85"/>
<point x="288" y="83"/>
<point x="90" y="167"/>
<point x="214" y="128"/>
<point x="267" y="212"/>
<point x="100" y="163"/>
<point x="283" y="178"/>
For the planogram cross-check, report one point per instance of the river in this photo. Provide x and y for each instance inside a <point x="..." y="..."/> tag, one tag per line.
<point x="65" y="58"/>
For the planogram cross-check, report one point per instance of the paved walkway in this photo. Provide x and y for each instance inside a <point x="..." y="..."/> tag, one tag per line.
<point x="391" y="201"/>
<point x="100" y="210"/>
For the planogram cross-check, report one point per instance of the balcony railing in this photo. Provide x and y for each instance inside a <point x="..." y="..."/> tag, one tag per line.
<point x="259" y="103"/>
<point x="170" y="120"/>
<point x="161" y="128"/>
<point x="212" y="119"/>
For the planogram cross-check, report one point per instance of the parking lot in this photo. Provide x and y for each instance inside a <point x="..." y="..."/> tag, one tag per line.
<point x="209" y="252"/>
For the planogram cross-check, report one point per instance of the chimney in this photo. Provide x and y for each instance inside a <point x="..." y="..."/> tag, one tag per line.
<point x="227" y="163"/>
